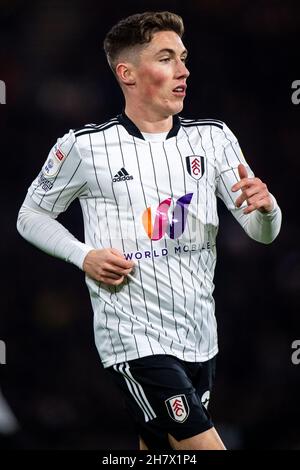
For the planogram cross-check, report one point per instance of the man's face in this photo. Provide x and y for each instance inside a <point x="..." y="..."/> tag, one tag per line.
<point x="161" y="74"/>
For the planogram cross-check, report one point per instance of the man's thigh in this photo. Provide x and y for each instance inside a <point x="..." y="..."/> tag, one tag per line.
<point x="207" y="440"/>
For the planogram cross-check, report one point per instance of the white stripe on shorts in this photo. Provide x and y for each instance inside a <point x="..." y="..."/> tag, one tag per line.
<point x="136" y="391"/>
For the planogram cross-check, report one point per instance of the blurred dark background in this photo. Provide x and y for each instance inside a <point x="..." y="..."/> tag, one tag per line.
<point x="244" y="57"/>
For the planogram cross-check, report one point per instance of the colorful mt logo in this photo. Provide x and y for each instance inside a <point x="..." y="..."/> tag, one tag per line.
<point x="161" y="221"/>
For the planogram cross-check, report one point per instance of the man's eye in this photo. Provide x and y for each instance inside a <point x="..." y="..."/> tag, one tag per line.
<point x="165" y="59"/>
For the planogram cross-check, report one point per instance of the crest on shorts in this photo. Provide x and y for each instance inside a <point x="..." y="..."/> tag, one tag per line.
<point x="195" y="166"/>
<point x="178" y="408"/>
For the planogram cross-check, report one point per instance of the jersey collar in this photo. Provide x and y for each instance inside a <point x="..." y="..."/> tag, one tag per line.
<point x="133" y="130"/>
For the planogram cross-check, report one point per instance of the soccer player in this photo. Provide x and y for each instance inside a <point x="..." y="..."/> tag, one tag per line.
<point x="147" y="181"/>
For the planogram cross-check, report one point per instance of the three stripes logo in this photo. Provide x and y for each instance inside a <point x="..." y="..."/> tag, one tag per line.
<point x="136" y="390"/>
<point x="122" y="175"/>
<point x="178" y="408"/>
<point x="195" y="166"/>
<point x="161" y="223"/>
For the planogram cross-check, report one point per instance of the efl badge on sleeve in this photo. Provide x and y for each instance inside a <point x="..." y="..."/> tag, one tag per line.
<point x="53" y="163"/>
<point x="195" y="166"/>
<point x="178" y="408"/>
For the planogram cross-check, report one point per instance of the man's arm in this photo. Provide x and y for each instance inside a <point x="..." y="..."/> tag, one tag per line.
<point x="40" y="228"/>
<point x="264" y="220"/>
<point x="246" y="196"/>
<point x="61" y="180"/>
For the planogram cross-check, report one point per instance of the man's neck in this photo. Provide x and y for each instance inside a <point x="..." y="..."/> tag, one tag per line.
<point x="149" y="122"/>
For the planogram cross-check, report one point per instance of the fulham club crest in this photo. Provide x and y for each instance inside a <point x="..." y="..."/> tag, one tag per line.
<point x="195" y="166"/>
<point x="178" y="408"/>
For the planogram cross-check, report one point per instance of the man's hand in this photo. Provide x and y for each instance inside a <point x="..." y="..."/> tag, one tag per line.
<point x="254" y="191"/>
<point x="107" y="265"/>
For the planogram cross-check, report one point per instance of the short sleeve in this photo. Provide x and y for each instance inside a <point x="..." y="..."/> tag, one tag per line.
<point x="61" y="178"/>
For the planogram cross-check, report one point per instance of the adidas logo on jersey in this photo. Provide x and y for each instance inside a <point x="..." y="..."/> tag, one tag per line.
<point x="122" y="175"/>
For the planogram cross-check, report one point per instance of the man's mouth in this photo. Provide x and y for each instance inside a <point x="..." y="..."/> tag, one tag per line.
<point x="179" y="90"/>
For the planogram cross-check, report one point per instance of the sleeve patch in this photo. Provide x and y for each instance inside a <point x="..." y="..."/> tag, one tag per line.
<point x="59" y="154"/>
<point x="53" y="162"/>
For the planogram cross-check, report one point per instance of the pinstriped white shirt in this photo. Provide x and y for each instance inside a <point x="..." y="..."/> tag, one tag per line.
<point x="156" y="203"/>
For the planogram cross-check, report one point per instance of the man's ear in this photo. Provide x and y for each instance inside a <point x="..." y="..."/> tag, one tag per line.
<point x="125" y="74"/>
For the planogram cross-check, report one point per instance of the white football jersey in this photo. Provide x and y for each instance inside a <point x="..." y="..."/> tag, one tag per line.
<point x="156" y="203"/>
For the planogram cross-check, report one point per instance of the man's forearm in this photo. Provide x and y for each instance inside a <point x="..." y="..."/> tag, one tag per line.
<point x="42" y="230"/>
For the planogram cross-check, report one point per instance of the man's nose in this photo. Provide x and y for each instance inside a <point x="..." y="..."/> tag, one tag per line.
<point x="182" y="70"/>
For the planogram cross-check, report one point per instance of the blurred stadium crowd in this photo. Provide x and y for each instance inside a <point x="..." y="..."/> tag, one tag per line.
<point x="243" y="59"/>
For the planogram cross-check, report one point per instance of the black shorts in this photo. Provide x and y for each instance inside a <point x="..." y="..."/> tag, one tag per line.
<point x="166" y="395"/>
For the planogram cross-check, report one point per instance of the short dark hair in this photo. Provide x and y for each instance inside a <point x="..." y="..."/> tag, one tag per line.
<point x="137" y="30"/>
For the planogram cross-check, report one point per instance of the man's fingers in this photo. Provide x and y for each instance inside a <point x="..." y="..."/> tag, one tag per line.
<point x="242" y="171"/>
<point x="244" y="180"/>
<point x="249" y="209"/>
<point x="111" y="268"/>
<point x="245" y="183"/>
<point x="247" y="195"/>
<point x="112" y="282"/>
<point x="256" y="205"/>
<point x="115" y="267"/>
<point x="240" y="200"/>
<point x="121" y="263"/>
<point x="116" y="257"/>
<point x="108" y="275"/>
<point x="107" y="266"/>
<point x="115" y="252"/>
